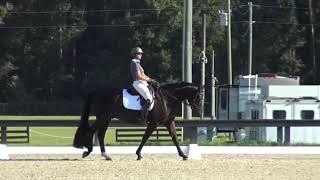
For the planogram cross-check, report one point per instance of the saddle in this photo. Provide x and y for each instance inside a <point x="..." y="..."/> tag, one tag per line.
<point x="152" y="88"/>
<point x="131" y="90"/>
<point x="133" y="100"/>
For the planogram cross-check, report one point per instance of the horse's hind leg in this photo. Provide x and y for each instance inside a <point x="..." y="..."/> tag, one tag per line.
<point x="151" y="127"/>
<point x="172" y="131"/>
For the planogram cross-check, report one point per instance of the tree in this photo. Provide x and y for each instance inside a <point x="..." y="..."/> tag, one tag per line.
<point x="276" y="37"/>
<point x="34" y="41"/>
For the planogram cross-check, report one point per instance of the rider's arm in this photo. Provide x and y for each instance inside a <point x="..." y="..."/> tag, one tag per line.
<point x="148" y="77"/>
<point x="142" y="76"/>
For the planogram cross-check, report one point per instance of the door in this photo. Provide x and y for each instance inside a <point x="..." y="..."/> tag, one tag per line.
<point x="276" y="109"/>
<point x="305" y="109"/>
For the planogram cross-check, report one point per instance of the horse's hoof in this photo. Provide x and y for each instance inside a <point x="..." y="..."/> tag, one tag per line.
<point x="85" y="154"/>
<point x="108" y="158"/>
<point x="139" y="158"/>
<point x="185" y="158"/>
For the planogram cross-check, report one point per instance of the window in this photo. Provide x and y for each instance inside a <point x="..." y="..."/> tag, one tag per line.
<point x="254" y="114"/>
<point x="224" y="99"/>
<point x="307" y="114"/>
<point x="279" y="114"/>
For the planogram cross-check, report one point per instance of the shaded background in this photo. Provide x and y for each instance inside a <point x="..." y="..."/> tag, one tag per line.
<point x="54" y="52"/>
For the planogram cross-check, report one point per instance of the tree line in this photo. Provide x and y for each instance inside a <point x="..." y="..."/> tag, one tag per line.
<point x="59" y="50"/>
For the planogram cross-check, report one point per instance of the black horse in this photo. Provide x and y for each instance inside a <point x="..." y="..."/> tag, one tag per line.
<point x="107" y="104"/>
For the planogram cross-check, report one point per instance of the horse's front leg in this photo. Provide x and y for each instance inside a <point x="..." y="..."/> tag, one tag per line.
<point x="151" y="127"/>
<point x="172" y="131"/>
<point x="88" y="144"/>
<point x="89" y="136"/>
<point x="101" y="135"/>
<point x="104" y="119"/>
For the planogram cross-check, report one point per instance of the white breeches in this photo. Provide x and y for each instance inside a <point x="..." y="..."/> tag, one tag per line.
<point x="142" y="88"/>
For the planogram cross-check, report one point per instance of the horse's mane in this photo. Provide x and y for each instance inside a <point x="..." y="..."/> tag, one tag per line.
<point x="177" y="85"/>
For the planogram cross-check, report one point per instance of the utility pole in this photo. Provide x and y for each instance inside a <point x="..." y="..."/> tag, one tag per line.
<point x="60" y="42"/>
<point x="250" y="39"/>
<point x="313" y="52"/>
<point x="187" y="50"/>
<point x="187" y="63"/>
<point x="210" y="129"/>
<point x="213" y="90"/>
<point x="203" y="61"/>
<point x="229" y="45"/>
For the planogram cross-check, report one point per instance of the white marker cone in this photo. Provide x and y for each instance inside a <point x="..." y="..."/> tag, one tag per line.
<point x="193" y="152"/>
<point x="4" y="152"/>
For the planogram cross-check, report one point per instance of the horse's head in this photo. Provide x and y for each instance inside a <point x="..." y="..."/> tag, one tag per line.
<point x="193" y="98"/>
<point x="184" y="91"/>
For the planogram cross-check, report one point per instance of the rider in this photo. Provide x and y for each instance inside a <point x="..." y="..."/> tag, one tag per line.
<point x="140" y="80"/>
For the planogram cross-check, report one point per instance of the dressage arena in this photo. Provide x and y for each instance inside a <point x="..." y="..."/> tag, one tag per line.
<point x="284" y="164"/>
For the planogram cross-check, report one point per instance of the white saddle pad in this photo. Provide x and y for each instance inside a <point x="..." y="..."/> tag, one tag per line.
<point x="132" y="102"/>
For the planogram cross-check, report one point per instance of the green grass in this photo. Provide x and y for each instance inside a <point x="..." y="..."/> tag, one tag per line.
<point x="62" y="136"/>
<point x="48" y="136"/>
<point x="52" y="136"/>
<point x="42" y="117"/>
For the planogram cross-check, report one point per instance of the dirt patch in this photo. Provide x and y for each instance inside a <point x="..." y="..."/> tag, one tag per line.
<point x="161" y="167"/>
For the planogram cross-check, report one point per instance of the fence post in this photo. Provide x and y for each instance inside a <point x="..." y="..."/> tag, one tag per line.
<point x="28" y="133"/>
<point x="157" y="135"/>
<point x="3" y="135"/>
<point x="280" y="134"/>
<point x="287" y="135"/>
<point x="193" y="135"/>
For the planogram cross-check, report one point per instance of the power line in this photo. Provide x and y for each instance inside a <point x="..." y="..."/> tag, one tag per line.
<point x="99" y="10"/>
<point x="279" y="7"/>
<point x="136" y="25"/>
<point x="86" y="11"/>
<point x="144" y="9"/>
<point x="78" y="26"/>
<point x="275" y="22"/>
<point x="285" y="7"/>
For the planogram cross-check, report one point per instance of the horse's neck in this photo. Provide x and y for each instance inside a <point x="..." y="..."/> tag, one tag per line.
<point x="169" y="100"/>
<point x="179" y="94"/>
<point x="169" y="108"/>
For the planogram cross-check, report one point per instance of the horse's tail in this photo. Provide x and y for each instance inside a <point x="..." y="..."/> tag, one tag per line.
<point x="80" y="136"/>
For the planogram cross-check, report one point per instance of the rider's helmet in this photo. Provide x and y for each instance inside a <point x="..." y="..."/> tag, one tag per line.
<point x="136" y="50"/>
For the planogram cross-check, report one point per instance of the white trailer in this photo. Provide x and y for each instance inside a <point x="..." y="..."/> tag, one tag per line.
<point x="293" y="109"/>
<point x="271" y="97"/>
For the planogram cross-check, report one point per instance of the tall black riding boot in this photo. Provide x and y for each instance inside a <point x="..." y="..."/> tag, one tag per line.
<point x="145" y="111"/>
